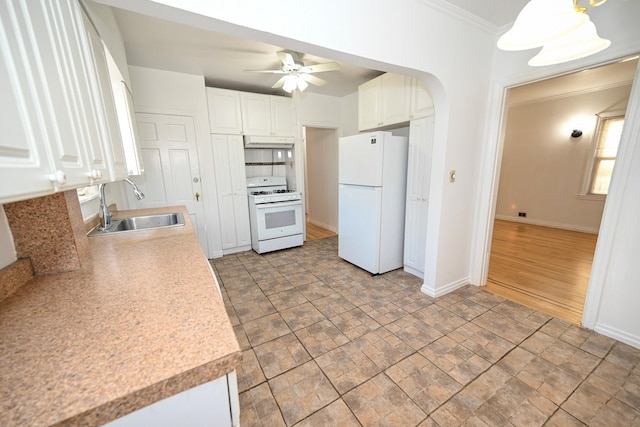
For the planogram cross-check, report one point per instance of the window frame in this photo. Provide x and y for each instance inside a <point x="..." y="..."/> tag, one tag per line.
<point x="592" y="163"/>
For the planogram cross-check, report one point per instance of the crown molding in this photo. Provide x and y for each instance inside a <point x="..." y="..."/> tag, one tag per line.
<point x="462" y="15"/>
<point x="572" y="93"/>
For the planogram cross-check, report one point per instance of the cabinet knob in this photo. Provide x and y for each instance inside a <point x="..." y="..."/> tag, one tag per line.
<point x="59" y="177"/>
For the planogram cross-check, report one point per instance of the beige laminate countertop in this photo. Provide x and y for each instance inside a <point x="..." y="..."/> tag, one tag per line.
<point x="141" y="322"/>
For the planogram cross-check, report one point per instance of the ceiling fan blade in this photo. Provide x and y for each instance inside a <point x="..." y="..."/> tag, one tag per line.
<point x="319" y="68"/>
<point x="280" y="82"/>
<point x="286" y="58"/>
<point x="313" y="79"/>
<point x="267" y="71"/>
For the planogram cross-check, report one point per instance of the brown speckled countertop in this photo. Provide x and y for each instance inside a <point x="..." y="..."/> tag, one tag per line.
<point x="141" y="322"/>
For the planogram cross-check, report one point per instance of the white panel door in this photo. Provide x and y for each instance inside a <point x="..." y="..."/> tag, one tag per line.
<point x="360" y="159"/>
<point x="359" y="226"/>
<point x="172" y="174"/>
<point x="239" y="188"/>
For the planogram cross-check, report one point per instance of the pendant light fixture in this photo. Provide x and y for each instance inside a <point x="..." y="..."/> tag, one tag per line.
<point x="561" y="27"/>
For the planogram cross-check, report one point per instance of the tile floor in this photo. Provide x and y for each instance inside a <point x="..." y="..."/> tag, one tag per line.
<point x="327" y="344"/>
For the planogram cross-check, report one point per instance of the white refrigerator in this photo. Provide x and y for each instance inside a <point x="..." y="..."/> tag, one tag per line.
<point x="372" y="177"/>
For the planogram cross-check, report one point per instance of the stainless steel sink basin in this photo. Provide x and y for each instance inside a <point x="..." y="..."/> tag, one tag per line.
<point x="138" y="223"/>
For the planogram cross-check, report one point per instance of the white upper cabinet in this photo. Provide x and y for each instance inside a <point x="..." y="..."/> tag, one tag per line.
<point x="126" y="118"/>
<point x="225" y="116"/>
<point x="57" y="133"/>
<point x="267" y="115"/>
<point x="383" y="101"/>
<point x="111" y="135"/>
<point x="421" y="101"/>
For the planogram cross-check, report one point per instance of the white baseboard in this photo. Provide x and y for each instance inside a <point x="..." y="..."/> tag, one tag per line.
<point x="618" y="334"/>
<point x="323" y="225"/>
<point x="569" y="227"/>
<point x="236" y="250"/>
<point x="413" y="271"/>
<point x="443" y="290"/>
<point x="216" y="254"/>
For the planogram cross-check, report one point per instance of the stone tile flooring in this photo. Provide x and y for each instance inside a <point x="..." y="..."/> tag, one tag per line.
<point x="327" y="344"/>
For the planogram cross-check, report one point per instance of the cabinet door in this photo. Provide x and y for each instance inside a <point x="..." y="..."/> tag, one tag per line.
<point x="111" y="134"/>
<point x="282" y="116"/>
<point x="55" y="56"/>
<point x="224" y="185"/>
<point x="396" y="98"/>
<point x="239" y="187"/>
<point x="369" y="104"/>
<point x="418" y="179"/>
<point x="225" y="115"/>
<point x="24" y="163"/>
<point x="421" y="102"/>
<point x="256" y="114"/>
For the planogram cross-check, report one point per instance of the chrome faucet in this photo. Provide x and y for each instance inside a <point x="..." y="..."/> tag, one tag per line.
<point x="105" y="215"/>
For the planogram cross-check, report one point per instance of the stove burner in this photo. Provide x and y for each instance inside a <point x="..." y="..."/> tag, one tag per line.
<point x="261" y="193"/>
<point x="282" y="191"/>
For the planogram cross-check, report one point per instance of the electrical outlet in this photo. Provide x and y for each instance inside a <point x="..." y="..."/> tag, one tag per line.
<point x="522" y="214"/>
<point x="452" y="175"/>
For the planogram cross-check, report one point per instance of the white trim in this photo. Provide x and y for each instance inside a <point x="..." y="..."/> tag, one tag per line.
<point x="573" y="93"/>
<point x="443" y="290"/>
<point x="236" y="250"/>
<point x="323" y="225"/>
<point x="216" y="254"/>
<point x="618" y="334"/>
<point x="592" y="197"/>
<point x="570" y="227"/>
<point x="461" y="14"/>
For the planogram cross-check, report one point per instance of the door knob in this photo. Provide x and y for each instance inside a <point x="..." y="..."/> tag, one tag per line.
<point x="197" y="197"/>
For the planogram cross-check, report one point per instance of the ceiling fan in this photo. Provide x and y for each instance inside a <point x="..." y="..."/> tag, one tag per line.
<point x="296" y="74"/>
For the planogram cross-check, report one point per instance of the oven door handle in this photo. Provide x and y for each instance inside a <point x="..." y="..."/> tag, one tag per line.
<point x="278" y="204"/>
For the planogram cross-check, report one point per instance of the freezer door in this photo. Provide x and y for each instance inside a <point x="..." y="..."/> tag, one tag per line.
<point x="359" y="226"/>
<point x="360" y="159"/>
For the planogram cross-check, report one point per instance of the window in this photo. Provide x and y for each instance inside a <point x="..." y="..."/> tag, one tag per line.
<point x="607" y="140"/>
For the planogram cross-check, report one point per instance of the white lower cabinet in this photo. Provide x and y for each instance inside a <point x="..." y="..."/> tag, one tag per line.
<point x="211" y="404"/>
<point x="228" y="156"/>
<point x="418" y="177"/>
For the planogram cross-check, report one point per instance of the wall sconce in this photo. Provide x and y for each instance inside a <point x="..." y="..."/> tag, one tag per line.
<point x="576" y="133"/>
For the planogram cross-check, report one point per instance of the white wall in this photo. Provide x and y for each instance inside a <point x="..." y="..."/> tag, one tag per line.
<point x="543" y="168"/>
<point x="349" y="114"/>
<point x="322" y="177"/>
<point x="7" y="248"/>
<point x="166" y="92"/>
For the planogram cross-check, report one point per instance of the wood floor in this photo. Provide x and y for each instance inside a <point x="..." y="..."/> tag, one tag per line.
<point x="316" y="233"/>
<point x="543" y="268"/>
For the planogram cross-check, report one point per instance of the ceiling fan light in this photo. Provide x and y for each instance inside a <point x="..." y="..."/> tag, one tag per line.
<point x="289" y="84"/>
<point x="582" y="42"/>
<point x="541" y="21"/>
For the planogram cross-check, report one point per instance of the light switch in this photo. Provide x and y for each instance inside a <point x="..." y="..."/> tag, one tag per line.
<point x="452" y="175"/>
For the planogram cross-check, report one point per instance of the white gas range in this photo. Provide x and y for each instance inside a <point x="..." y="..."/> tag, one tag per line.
<point x="275" y="213"/>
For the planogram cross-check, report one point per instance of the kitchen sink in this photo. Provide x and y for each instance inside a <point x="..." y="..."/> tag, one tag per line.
<point x="139" y="223"/>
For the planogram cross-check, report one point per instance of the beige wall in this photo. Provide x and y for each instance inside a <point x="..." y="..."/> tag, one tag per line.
<point x="543" y="168"/>
<point x="322" y="177"/>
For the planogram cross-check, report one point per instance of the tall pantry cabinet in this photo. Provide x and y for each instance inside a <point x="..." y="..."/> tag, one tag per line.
<point x="418" y="180"/>
<point x="228" y="156"/>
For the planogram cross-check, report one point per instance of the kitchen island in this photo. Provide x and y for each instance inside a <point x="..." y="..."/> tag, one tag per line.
<point x="142" y="321"/>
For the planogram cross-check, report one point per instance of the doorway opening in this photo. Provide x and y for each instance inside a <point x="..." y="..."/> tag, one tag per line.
<point x="547" y="216"/>
<point x="321" y="182"/>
